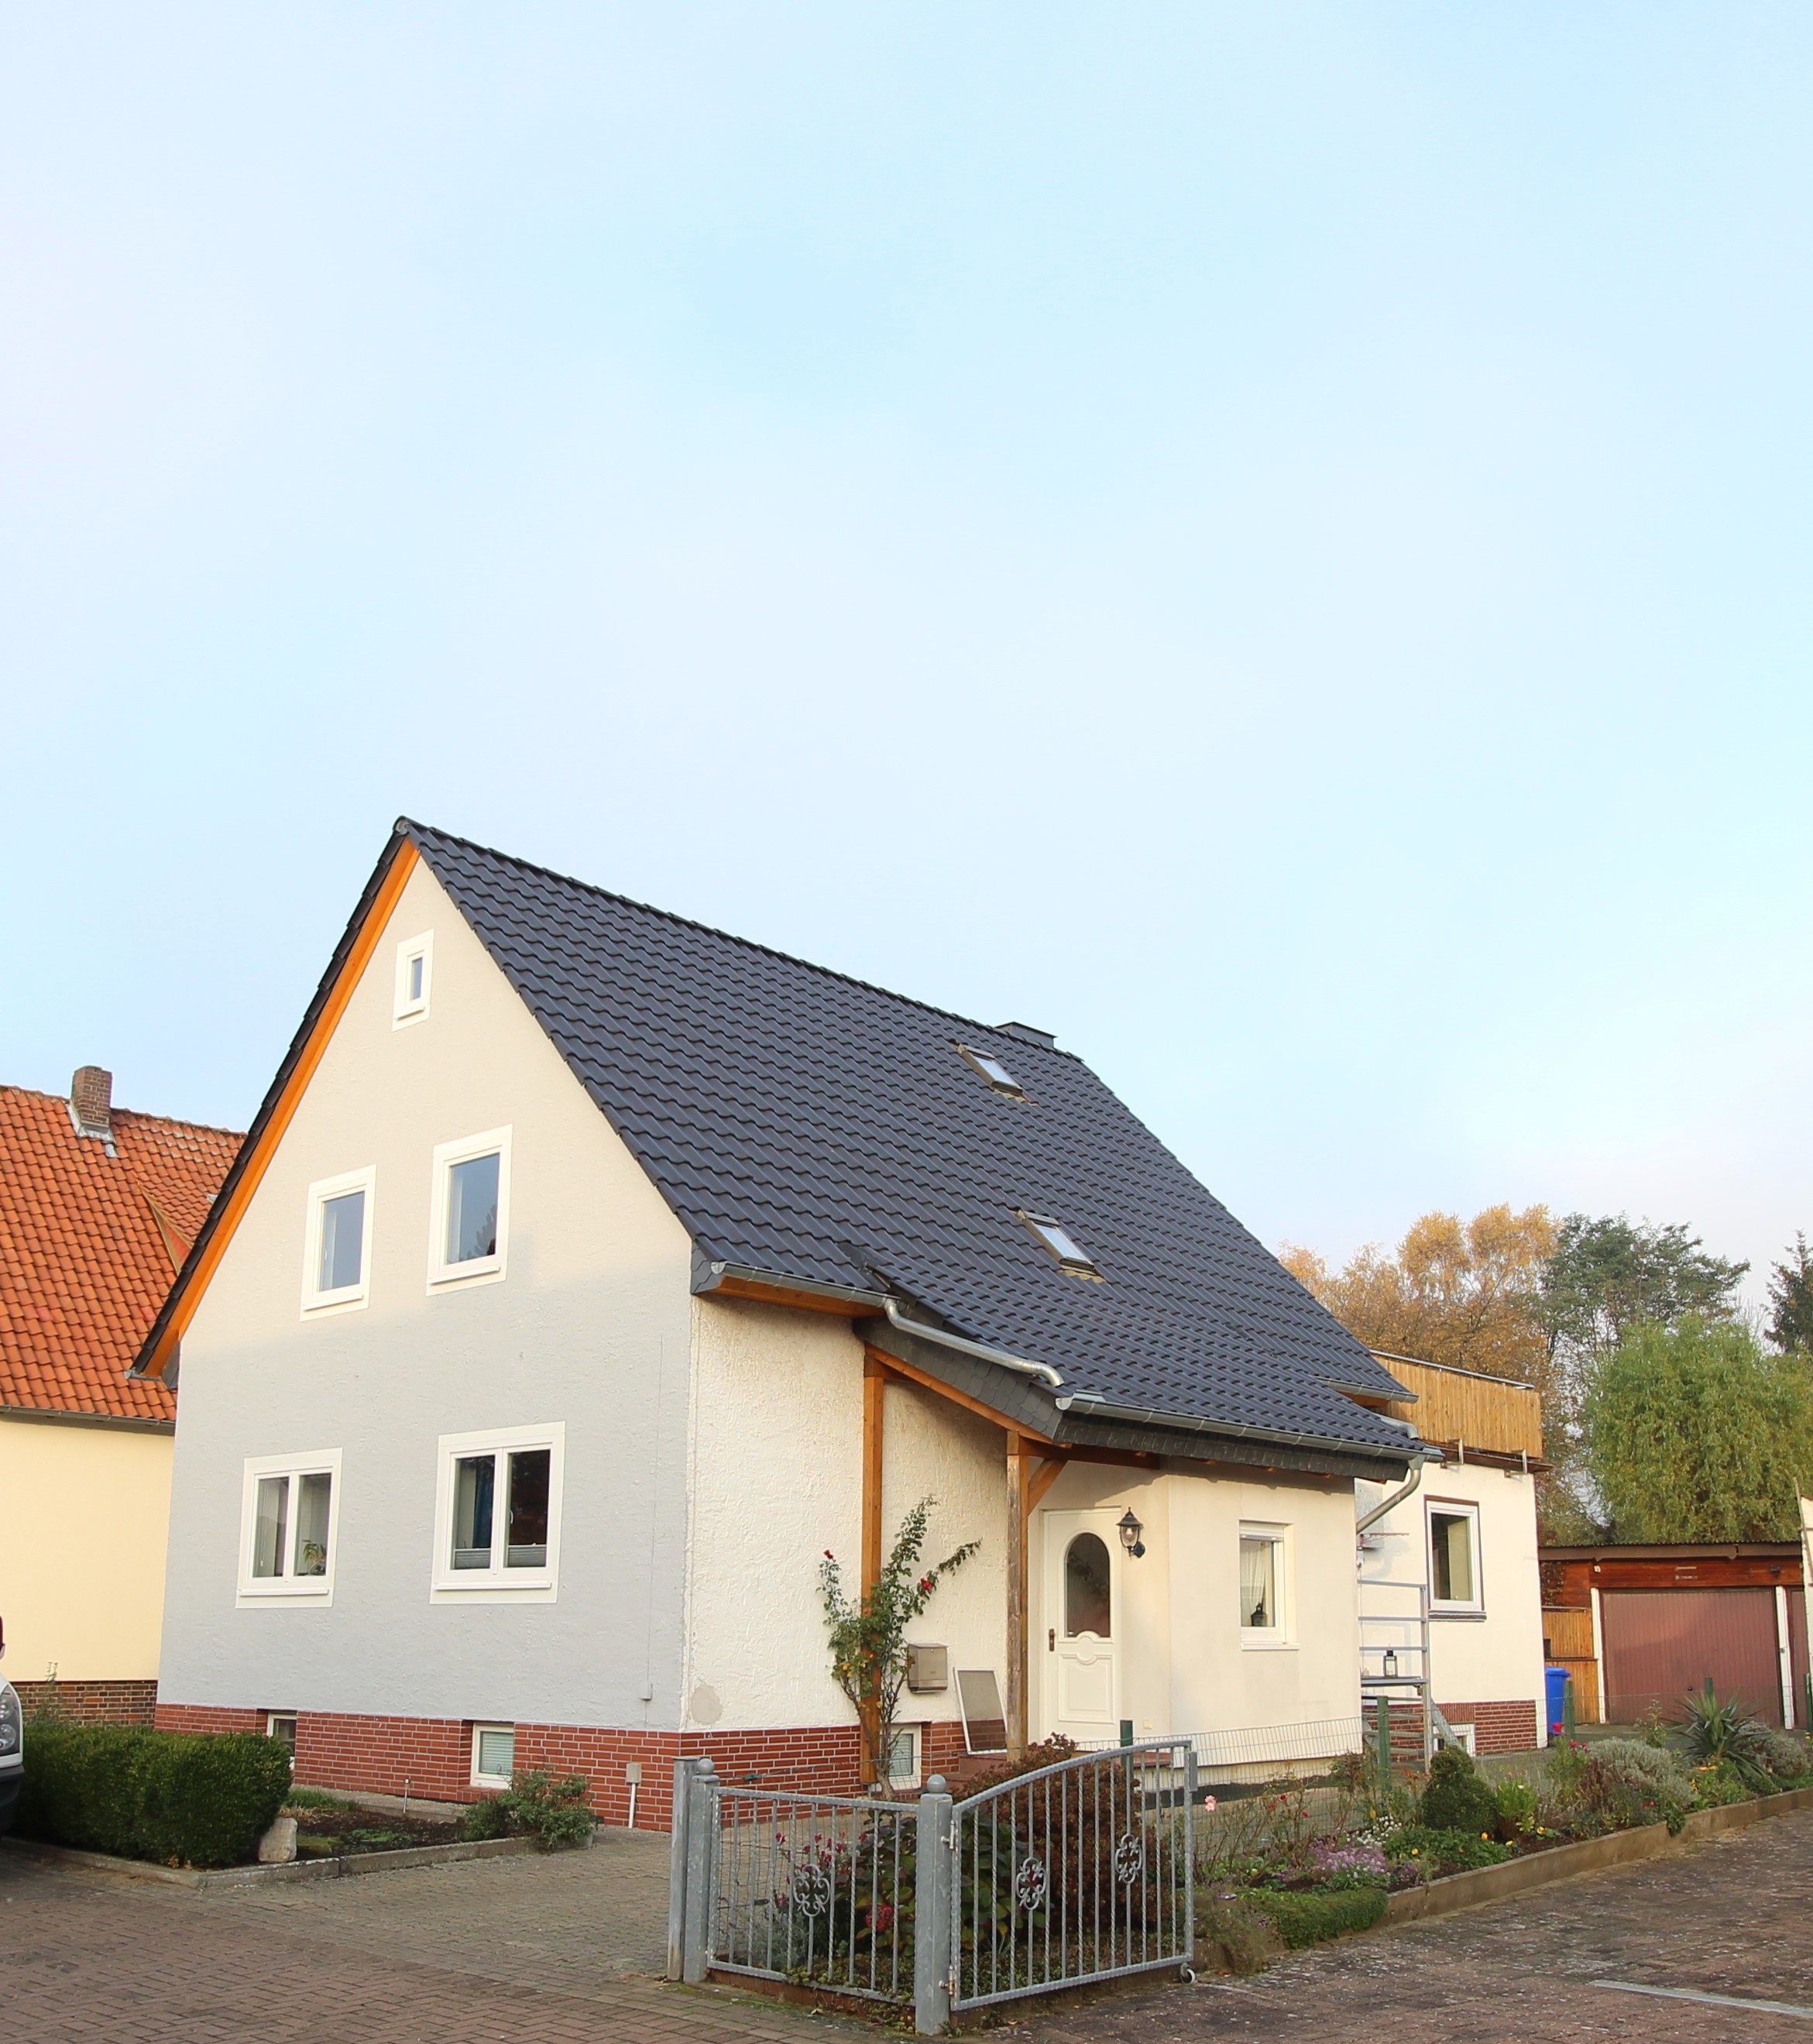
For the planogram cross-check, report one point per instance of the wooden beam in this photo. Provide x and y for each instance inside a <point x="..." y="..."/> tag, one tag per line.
<point x="927" y="1382"/>
<point x="1046" y="1474"/>
<point x="1020" y="1456"/>
<point x="781" y="1295"/>
<point x="874" y="1414"/>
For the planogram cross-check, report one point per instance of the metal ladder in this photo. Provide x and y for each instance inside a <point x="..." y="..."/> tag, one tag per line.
<point x="1382" y="1669"/>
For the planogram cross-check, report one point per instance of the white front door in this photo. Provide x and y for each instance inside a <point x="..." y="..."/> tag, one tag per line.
<point x="1082" y="1685"/>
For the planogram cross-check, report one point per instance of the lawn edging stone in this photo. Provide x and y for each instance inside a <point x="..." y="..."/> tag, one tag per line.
<point x="336" y="1869"/>
<point x="1517" y="1876"/>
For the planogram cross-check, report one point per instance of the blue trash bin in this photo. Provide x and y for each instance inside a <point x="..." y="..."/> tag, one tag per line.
<point x="1557" y="1680"/>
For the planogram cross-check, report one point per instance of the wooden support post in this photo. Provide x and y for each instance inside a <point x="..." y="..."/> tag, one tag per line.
<point x="1020" y="1456"/>
<point x="874" y="1415"/>
<point x="874" y="1411"/>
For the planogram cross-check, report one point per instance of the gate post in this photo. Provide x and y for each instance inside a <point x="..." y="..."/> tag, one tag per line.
<point x="1190" y="1785"/>
<point x="676" y="1871"/>
<point x="933" y="1874"/>
<point x="701" y="1857"/>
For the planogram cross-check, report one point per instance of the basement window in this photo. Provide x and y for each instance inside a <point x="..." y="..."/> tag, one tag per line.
<point x="494" y="1755"/>
<point x="1052" y="1235"/>
<point x="993" y="1071"/>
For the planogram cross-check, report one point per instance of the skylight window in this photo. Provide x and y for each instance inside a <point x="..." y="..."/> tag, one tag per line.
<point x="1052" y="1235"/>
<point x="993" y="1071"/>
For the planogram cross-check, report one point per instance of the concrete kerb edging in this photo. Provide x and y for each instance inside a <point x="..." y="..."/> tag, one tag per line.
<point x="259" y="1877"/>
<point x="1517" y="1876"/>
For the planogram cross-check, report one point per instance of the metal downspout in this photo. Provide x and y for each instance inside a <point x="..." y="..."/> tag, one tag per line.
<point x="1396" y="1498"/>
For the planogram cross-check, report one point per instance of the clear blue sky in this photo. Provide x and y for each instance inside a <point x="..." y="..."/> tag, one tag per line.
<point x="1271" y="541"/>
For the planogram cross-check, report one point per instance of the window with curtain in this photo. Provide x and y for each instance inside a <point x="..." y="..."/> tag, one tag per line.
<point x="1259" y="1574"/>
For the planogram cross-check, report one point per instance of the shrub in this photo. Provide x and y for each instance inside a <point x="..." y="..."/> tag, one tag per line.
<point x="1716" y="1734"/>
<point x="1307" y="1919"/>
<point x="1618" y="1783"/>
<point x="1786" y="1757"/>
<point x="182" y="1799"/>
<point x="1429" y="1853"/>
<point x="1515" y="1802"/>
<point x="489" y="1818"/>
<point x="537" y="1806"/>
<point x="1456" y="1798"/>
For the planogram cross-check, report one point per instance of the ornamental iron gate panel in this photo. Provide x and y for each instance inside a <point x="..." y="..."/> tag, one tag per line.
<point x="1081" y="1871"/>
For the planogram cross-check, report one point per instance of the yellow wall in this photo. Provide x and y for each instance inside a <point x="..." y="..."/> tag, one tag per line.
<point x="84" y="1511"/>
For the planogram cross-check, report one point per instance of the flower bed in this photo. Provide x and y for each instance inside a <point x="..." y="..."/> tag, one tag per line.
<point x="1305" y="1862"/>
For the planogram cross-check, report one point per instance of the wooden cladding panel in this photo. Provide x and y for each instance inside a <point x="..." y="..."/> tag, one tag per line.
<point x="1568" y="1634"/>
<point x="1484" y="1413"/>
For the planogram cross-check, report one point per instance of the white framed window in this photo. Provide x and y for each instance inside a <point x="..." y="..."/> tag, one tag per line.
<point x="468" y="1210"/>
<point x="904" y="1758"/>
<point x="280" y="1726"/>
<point x="494" y="1755"/>
<point x="337" y="1242"/>
<point x="1455" y="1585"/>
<point x="497" y="1515"/>
<point x="415" y="974"/>
<point x="290" y="1516"/>
<point x="1264" y="1586"/>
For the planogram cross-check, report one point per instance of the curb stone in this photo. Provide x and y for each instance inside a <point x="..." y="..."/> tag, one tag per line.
<point x="1517" y="1876"/>
<point x="342" y="1867"/>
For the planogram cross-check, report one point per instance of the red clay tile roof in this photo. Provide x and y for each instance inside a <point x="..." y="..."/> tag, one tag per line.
<point x="89" y="1246"/>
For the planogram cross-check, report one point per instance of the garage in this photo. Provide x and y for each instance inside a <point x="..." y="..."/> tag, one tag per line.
<point x="1639" y="1626"/>
<point x="1659" y="1644"/>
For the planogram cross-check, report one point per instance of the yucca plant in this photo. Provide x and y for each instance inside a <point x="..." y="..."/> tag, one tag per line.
<point x="1724" y="1735"/>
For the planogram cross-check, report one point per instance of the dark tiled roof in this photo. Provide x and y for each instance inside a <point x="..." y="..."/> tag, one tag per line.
<point x="800" y="1122"/>
<point x="89" y="1245"/>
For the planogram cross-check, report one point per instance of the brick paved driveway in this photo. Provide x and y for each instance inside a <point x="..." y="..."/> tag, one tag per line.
<point x="556" y="1951"/>
<point x="1733" y="1916"/>
<point x="529" y="1951"/>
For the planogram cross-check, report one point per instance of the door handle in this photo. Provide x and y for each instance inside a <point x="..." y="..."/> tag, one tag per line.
<point x="1050" y="1640"/>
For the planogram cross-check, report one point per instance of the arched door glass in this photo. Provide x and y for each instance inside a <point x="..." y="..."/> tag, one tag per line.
<point x="1087" y="1605"/>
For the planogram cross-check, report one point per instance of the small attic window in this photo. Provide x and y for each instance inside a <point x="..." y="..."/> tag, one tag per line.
<point x="993" y="1071"/>
<point x="1052" y="1235"/>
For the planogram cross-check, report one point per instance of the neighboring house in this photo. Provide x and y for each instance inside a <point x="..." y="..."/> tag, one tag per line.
<point x="1640" y="1626"/>
<point x="587" y="1274"/>
<point x="1449" y="1577"/>
<point x="97" y="1209"/>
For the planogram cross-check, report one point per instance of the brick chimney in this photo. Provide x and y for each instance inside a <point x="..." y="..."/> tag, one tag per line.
<point x="91" y="1101"/>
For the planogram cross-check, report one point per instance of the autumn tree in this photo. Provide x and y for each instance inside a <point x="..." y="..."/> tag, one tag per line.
<point x="1461" y="1294"/>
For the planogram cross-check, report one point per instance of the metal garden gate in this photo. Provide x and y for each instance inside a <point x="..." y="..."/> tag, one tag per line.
<point x="1078" y="1873"/>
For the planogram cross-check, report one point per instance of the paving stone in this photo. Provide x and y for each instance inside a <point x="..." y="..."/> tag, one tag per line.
<point x="1729" y="1917"/>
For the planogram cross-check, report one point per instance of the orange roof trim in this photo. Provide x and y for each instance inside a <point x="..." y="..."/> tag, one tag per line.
<point x="362" y="936"/>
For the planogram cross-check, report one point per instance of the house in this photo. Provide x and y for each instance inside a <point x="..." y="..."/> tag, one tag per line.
<point x="1640" y="1626"/>
<point x="97" y="1207"/>
<point x="588" y="1274"/>
<point x="1448" y="1581"/>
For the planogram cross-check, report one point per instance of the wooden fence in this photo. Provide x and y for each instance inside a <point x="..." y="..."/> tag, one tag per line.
<point x="1457" y="1408"/>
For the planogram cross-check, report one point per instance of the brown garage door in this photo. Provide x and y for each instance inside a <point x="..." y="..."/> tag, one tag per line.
<point x="1659" y="1644"/>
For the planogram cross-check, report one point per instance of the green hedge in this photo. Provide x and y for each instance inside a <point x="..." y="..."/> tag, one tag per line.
<point x="180" y="1799"/>
<point x="1307" y="1919"/>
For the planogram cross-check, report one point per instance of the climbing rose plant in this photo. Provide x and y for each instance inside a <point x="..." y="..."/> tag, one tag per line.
<point x="868" y="1633"/>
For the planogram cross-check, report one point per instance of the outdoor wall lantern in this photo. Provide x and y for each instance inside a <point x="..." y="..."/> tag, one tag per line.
<point x="1130" y="1529"/>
